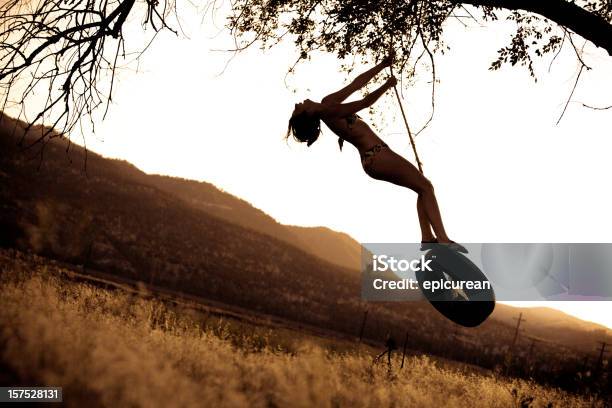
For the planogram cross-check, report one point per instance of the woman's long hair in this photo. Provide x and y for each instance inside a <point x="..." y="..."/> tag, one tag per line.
<point x="304" y="128"/>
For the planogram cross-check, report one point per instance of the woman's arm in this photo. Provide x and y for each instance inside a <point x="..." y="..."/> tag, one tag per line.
<point x="340" y="110"/>
<point x="358" y="83"/>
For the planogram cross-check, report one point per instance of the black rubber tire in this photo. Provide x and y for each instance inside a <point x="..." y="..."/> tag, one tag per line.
<point x="468" y="313"/>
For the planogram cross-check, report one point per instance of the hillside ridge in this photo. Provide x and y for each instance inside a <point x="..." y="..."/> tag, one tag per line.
<point x="119" y="220"/>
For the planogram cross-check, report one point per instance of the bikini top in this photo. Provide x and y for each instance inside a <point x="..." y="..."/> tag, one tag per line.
<point x="350" y="121"/>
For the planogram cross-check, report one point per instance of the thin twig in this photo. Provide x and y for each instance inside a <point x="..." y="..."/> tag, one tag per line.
<point x="569" y="98"/>
<point x="597" y="107"/>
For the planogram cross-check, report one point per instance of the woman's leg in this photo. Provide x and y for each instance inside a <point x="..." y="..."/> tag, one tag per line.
<point x="426" y="234"/>
<point x="393" y="168"/>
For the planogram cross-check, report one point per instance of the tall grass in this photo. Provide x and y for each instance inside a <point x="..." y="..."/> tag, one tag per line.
<point x="110" y="348"/>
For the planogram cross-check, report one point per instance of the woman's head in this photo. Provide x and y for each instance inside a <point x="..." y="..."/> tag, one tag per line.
<point x="305" y="123"/>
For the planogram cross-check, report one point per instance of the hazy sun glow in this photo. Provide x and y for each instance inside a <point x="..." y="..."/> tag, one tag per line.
<point x="503" y="171"/>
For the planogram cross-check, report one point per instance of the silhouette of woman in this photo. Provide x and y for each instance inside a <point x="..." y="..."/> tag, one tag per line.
<point x="377" y="159"/>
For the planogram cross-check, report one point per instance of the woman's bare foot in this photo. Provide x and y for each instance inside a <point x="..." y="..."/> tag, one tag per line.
<point x="427" y="244"/>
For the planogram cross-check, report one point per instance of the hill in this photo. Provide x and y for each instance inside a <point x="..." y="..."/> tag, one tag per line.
<point x="329" y="245"/>
<point x="112" y="218"/>
<point x="332" y="246"/>
<point x="188" y="236"/>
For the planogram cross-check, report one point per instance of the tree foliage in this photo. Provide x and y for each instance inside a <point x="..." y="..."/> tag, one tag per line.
<point x="413" y="28"/>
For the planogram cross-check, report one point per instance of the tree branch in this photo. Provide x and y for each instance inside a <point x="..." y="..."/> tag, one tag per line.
<point x="588" y="25"/>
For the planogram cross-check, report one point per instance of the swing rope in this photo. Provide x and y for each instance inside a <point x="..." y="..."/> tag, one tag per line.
<point x="399" y="102"/>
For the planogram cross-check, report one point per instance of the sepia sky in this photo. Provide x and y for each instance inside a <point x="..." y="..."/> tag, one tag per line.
<point x="502" y="170"/>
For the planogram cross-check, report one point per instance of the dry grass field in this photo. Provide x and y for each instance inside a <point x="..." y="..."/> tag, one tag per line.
<point x="112" y="348"/>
